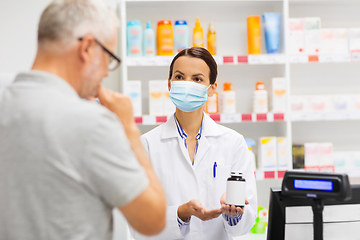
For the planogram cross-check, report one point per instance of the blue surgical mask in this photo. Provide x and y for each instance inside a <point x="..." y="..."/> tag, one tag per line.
<point x="188" y="96"/>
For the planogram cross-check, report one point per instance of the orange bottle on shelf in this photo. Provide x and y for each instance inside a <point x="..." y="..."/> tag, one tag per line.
<point x="198" y="36"/>
<point x="212" y="104"/>
<point x="254" y="35"/>
<point x="211" y="39"/>
<point x="165" y="38"/>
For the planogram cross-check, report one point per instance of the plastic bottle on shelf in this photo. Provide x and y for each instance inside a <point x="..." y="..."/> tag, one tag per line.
<point x="165" y="38"/>
<point x="198" y="36"/>
<point x="149" y="40"/>
<point x="260" y="99"/>
<point x="228" y="99"/>
<point x="254" y="35"/>
<point x="181" y="35"/>
<point x="212" y="104"/>
<point x="211" y="39"/>
<point x="134" y="38"/>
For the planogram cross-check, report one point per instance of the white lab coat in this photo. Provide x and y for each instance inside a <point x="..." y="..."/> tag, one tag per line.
<point x="183" y="181"/>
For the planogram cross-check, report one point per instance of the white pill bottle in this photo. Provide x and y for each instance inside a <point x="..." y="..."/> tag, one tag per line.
<point x="235" y="189"/>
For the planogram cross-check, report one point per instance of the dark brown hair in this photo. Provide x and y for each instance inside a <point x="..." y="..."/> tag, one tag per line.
<point x="198" y="52"/>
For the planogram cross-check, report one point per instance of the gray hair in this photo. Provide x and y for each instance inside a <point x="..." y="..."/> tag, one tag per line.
<point x="64" y="21"/>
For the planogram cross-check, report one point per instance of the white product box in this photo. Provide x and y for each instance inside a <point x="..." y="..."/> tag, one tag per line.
<point x="311" y="154"/>
<point x="354" y="39"/>
<point x="321" y="103"/>
<point x="296" y="36"/>
<point x="327" y="41"/>
<point x="282" y="156"/>
<point x="312" y="35"/>
<point x="342" y="103"/>
<point x="278" y="95"/>
<point x="299" y="104"/>
<point x="133" y="90"/>
<point x="347" y="162"/>
<point x="325" y="154"/>
<point x="341" y="43"/>
<point x="169" y="107"/>
<point x="156" y="97"/>
<point x="267" y="152"/>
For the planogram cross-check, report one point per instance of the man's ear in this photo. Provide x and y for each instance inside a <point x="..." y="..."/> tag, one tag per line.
<point x="212" y="89"/>
<point x="85" y="48"/>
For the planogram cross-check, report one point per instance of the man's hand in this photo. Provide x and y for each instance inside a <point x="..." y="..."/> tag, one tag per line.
<point x="194" y="208"/>
<point x="118" y="104"/>
<point x="231" y="209"/>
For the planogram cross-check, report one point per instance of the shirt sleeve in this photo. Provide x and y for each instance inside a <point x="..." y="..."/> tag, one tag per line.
<point x="110" y="168"/>
<point x="242" y="162"/>
<point x="232" y="221"/>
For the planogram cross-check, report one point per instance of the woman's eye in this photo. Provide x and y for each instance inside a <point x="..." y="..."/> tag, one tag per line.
<point x="197" y="79"/>
<point x="178" y="77"/>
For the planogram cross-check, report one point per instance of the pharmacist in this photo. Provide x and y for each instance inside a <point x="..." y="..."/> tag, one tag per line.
<point x="193" y="156"/>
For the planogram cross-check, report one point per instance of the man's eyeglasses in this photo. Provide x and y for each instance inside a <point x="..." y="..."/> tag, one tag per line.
<point x="114" y="61"/>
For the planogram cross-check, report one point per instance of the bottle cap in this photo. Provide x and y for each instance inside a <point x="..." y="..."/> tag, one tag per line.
<point x="197" y="24"/>
<point x="164" y="22"/>
<point x="133" y="23"/>
<point x="260" y="86"/>
<point x="180" y="22"/>
<point x="227" y="86"/>
<point x="148" y="24"/>
<point x="236" y="173"/>
<point x="211" y="27"/>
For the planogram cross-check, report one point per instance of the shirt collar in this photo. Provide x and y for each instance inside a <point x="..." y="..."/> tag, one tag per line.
<point x="209" y="128"/>
<point x="46" y="78"/>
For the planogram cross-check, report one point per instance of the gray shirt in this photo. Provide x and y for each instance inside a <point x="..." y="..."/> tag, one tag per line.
<point x="64" y="162"/>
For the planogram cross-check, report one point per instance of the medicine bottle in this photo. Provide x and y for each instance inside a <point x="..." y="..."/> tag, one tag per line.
<point x="235" y="189"/>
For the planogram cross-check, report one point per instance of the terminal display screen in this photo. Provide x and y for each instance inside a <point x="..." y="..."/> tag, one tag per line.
<point x="309" y="184"/>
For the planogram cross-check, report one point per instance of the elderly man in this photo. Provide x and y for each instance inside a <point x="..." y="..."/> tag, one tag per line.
<point x="66" y="162"/>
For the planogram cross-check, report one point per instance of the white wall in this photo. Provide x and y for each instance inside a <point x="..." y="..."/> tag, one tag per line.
<point x="18" y="36"/>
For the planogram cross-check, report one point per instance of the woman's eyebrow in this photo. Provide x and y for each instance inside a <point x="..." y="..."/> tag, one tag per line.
<point x="198" y="74"/>
<point x="179" y="72"/>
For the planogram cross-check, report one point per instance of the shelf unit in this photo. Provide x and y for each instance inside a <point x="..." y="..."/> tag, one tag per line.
<point x="304" y="73"/>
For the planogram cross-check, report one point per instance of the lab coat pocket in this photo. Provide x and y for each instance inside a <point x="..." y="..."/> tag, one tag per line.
<point x="217" y="184"/>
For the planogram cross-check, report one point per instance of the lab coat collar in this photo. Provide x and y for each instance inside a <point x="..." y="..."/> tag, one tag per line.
<point x="210" y="128"/>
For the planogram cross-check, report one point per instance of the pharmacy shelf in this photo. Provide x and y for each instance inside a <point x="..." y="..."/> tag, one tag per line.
<point x="220" y="118"/>
<point x="261" y="59"/>
<point x="324" y="58"/>
<point x="220" y="60"/>
<point x="324" y="116"/>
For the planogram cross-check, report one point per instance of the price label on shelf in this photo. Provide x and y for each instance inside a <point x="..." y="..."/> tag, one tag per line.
<point x="313" y="58"/>
<point x="148" y="120"/>
<point x="336" y="116"/>
<point x="164" y="60"/>
<point x="355" y="56"/>
<point x="243" y="59"/>
<point x="279" y="116"/>
<point x="215" y="117"/>
<point x="280" y="58"/>
<point x="298" y="58"/>
<point x="298" y="116"/>
<point x="247" y="117"/>
<point x="325" y="58"/>
<point x="230" y="118"/>
<point x="255" y="59"/>
<point x="261" y="117"/>
<point x="161" y="119"/>
<point x="341" y="58"/>
<point x="316" y="116"/>
<point x="218" y="60"/>
<point x="138" y="120"/>
<point x="228" y="59"/>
